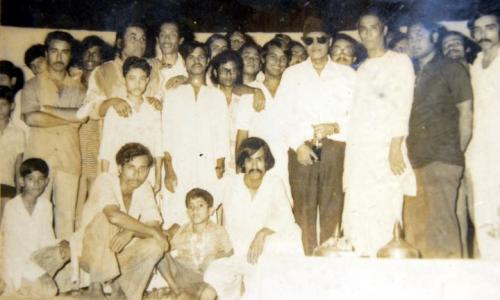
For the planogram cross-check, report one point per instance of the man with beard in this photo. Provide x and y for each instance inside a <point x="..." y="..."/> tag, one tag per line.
<point x="482" y="159"/>
<point x="258" y="219"/>
<point x="346" y="51"/>
<point x="49" y="105"/>
<point x="457" y="46"/>
<point x="439" y="132"/>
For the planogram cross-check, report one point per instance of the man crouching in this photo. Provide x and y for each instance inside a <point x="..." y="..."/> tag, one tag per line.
<point x="120" y="240"/>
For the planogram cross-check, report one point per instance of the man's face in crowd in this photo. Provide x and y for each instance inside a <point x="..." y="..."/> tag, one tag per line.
<point x="251" y="61"/>
<point x="134" y="42"/>
<point x="255" y="165"/>
<point x="58" y="55"/>
<point x="420" y="41"/>
<point x="298" y="55"/>
<point x="92" y="57"/>
<point x="198" y="210"/>
<point x="317" y="44"/>
<point x="403" y="46"/>
<point x="453" y="47"/>
<point x="217" y="46"/>
<point x="371" y="31"/>
<point x="486" y="32"/>
<point x="342" y="52"/>
<point x="169" y="38"/>
<point x="276" y="61"/>
<point x="196" y="62"/>
<point x="136" y="81"/>
<point x="134" y="173"/>
<point x="227" y="73"/>
<point x="236" y="40"/>
<point x="5" y="109"/>
<point x="38" y="65"/>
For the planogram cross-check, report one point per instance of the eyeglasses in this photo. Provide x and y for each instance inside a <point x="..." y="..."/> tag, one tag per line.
<point x="320" y="40"/>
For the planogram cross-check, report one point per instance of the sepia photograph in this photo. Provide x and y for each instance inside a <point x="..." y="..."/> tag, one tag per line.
<point x="249" y="149"/>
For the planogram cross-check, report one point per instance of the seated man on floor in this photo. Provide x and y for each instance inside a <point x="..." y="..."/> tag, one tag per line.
<point x="120" y="240"/>
<point x="193" y="248"/>
<point x="259" y="220"/>
<point x="31" y="255"/>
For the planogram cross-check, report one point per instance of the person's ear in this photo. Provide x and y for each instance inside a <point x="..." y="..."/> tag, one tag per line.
<point x="181" y="40"/>
<point x="13" y="81"/>
<point x="385" y="30"/>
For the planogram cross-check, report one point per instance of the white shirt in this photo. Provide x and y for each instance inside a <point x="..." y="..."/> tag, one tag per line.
<point x="314" y="99"/>
<point x="166" y="74"/>
<point x="12" y="143"/>
<point x="22" y="235"/>
<point x="383" y="99"/>
<point x="142" y="126"/>
<point x="195" y="130"/>
<point x="244" y="216"/>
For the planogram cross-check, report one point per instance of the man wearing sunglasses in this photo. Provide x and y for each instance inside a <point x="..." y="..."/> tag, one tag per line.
<point x="318" y="94"/>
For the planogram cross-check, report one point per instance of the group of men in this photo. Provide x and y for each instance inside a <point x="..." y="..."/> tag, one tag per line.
<point x="267" y="141"/>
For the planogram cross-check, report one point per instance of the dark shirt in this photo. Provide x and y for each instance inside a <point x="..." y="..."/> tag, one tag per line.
<point x="434" y="128"/>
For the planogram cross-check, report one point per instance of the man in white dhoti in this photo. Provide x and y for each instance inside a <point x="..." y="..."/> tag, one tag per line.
<point x="377" y="172"/>
<point x="195" y="128"/>
<point x="482" y="156"/>
<point x="258" y="219"/>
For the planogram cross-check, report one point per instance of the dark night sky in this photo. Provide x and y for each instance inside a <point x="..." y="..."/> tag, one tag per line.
<point x="220" y="15"/>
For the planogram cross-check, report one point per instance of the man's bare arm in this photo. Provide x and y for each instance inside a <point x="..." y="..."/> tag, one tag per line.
<point x="465" y="123"/>
<point x="68" y="114"/>
<point x="41" y="119"/>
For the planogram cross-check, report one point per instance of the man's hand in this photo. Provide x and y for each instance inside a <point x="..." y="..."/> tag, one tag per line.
<point x="64" y="250"/>
<point x="322" y="131"/>
<point x="256" y="247"/>
<point x="305" y="155"/>
<point x="259" y="100"/>
<point x="157" y="104"/>
<point x="175" y="81"/>
<point x="170" y="180"/>
<point x="396" y="161"/>
<point x="122" y="108"/>
<point x="120" y="240"/>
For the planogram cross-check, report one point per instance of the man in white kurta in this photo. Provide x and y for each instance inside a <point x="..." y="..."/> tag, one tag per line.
<point x="380" y="114"/>
<point x="195" y="128"/>
<point x="482" y="156"/>
<point x="258" y="219"/>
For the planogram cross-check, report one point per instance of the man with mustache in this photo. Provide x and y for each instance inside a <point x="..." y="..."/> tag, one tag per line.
<point x="457" y="46"/>
<point x="439" y="132"/>
<point x="49" y="104"/>
<point x="346" y="50"/>
<point x="258" y="219"/>
<point x="482" y="157"/>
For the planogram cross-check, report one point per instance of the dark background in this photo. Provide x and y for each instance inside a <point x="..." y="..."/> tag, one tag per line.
<point x="222" y="15"/>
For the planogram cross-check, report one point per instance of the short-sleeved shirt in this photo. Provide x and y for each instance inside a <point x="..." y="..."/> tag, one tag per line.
<point x="57" y="145"/>
<point x="12" y="143"/>
<point x="192" y="249"/>
<point x="434" y="128"/>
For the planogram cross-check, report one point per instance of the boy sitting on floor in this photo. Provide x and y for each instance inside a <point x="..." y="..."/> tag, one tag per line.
<point x="31" y="254"/>
<point x="193" y="248"/>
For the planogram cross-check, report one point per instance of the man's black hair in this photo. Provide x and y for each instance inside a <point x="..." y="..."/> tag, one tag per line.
<point x="131" y="150"/>
<point x="60" y="36"/>
<point x="33" y="52"/>
<point x="34" y="164"/>
<point x="134" y="62"/>
<point x="249" y="147"/>
<point x="199" y="193"/>
<point x="225" y="57"/>
<point x="6" y="93"/>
